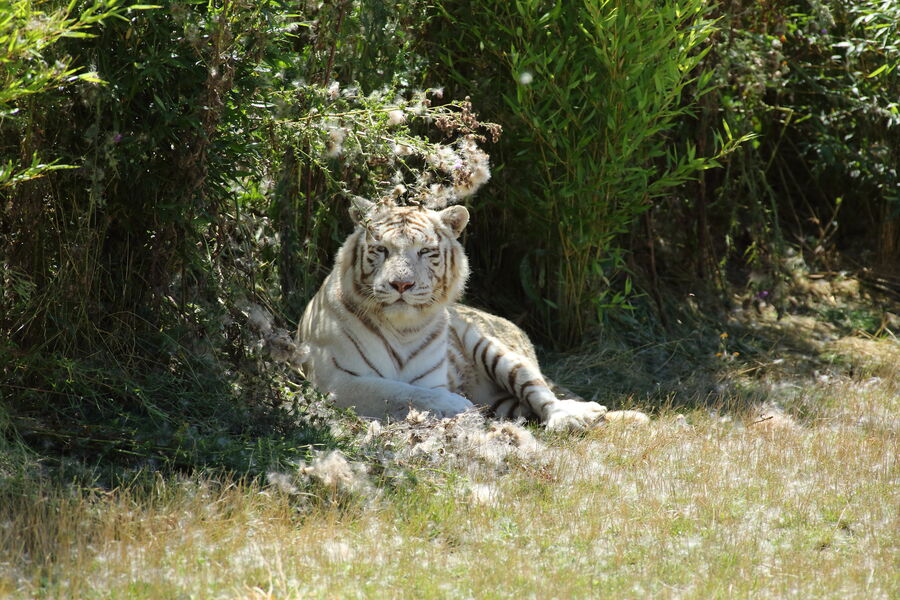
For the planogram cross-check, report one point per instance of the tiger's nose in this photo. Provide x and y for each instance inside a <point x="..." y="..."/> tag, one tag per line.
<point x="402" y="286"/>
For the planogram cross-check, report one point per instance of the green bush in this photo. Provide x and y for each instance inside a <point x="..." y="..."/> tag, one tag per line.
<point x="819" y="85"/>
<point x="25" y="33"/>
<point x="212" y="148"/>
<point x="589" y="93"/>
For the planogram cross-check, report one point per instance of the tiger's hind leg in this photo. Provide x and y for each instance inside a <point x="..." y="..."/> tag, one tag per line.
<point x="504" y="405"/>
<point x="512" y="386"/>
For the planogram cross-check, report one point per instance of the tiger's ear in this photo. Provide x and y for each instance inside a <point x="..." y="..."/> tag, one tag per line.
<point x="359" y="208"/>
<point x="455" y="218"/>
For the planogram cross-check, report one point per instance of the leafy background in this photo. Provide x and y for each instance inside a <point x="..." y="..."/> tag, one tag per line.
<point x="170" y="174"/>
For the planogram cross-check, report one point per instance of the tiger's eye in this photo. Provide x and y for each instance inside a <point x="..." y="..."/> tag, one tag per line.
<point x="380" y="249"/>
<point x="425" y="251"/>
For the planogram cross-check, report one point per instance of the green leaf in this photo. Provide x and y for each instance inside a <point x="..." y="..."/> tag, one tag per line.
<point x="877" y="71"/>
<point x="91" y="77"/>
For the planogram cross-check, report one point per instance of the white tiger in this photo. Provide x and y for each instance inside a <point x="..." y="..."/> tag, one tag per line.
<point x="385" y="332"/>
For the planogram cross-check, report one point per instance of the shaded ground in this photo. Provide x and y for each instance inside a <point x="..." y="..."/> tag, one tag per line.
<point x="834" y="327"/>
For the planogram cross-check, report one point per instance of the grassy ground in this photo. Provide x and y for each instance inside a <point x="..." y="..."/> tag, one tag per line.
<point x="773" y="473"/>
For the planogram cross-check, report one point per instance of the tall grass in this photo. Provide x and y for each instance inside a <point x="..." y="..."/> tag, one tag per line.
<point x="590" y="93"/>
<point x="817" y="82"/>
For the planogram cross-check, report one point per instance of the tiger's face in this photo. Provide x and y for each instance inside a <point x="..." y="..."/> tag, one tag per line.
<point x="408" y="259"/>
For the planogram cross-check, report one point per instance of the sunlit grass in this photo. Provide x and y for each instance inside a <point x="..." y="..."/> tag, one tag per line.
<point x="703" y="505"/>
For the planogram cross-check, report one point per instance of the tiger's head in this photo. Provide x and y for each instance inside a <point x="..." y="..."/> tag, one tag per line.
<point x="406" y="261"/>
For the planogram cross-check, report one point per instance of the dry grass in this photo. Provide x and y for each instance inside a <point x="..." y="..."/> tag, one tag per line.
<point x="706" y="504"/>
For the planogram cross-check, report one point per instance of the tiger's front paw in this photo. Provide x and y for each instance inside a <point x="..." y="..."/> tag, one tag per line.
<point x="448" y="405"/>
<point x="575" y="415"/>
